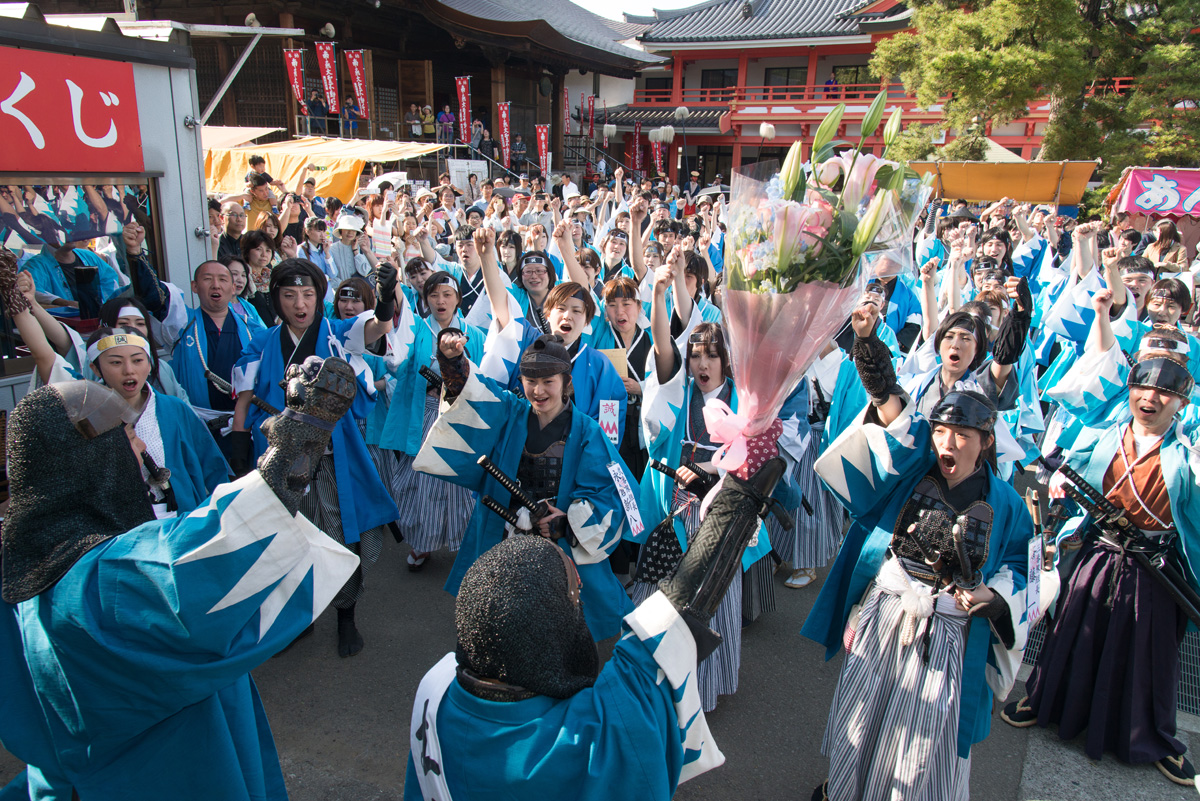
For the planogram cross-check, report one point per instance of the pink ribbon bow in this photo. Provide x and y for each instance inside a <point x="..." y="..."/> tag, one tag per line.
<point x="740" y="455"/>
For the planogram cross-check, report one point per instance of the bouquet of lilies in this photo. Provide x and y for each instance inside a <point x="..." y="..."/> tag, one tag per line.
<point x="794" y="249"/>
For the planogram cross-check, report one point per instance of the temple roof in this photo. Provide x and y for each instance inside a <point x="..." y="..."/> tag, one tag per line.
<point x="738" y="20"/>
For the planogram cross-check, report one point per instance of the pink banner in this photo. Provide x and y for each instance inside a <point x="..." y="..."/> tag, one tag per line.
<point x="606" y="124"/>
<point x="358" y="80"/>
<point x="505" y="131"/>
<point x="327" y="62"/>
<point x="592" y="118"/>
<point x="294" y="60"/>
<point x="543" y="146"/>
<point x="637" y="147"/>
<point x="464" y="108"/>
<point x="1161" y="192"/>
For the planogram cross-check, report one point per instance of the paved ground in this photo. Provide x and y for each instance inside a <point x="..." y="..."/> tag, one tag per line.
<point x="340" y="725"/>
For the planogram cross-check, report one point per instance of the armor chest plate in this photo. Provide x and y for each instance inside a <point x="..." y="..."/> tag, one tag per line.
<point x="540" y="474"/>
<point x="924" y="533"/>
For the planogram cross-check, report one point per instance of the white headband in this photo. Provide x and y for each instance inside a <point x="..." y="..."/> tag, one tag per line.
<point x="131" y="311"/>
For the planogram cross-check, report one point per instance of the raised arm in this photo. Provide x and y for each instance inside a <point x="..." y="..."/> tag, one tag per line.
<point x="660" y="320"/>
<point x="1100" y="338"/>
<point x="19" y="305"/>
<point x="637" y="248"/>
<point x="566" y="249"/>
<point x="929" y="308"/>
<point x="485" y="243"/>
<point x="683" y="301"/>
<point x="55" y="331"/>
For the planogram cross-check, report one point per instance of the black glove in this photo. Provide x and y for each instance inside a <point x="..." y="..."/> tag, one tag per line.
<point x="318" y="392"/>
<point x="996" y="611"/>
<point x="875" y="370"/>
<point x="714" y="556"/>
<point x="454" y="371"/>
<point x="1014" y="330"/>
<point x="821" y="406"/>
<point x="703" y="482"/>
<point x="241" y="450"/>
<point x="385" y="299"/>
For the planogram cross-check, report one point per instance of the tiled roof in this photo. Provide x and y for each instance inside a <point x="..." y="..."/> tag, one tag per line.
<point x="569" y="20"/>
<point x="700" y="117"/>
<point x="727" y="20"/>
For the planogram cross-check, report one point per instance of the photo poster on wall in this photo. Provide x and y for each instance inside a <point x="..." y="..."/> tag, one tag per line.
<point x="459" y="169"/>
<point x="44" y="214"/>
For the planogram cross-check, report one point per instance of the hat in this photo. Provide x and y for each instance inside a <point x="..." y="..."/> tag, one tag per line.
<point x="1164" y="375"/>
<point x="570" y="193"/>
<point x="695" y="173"/>
<point x="349" y="222"/>
<point x="310" y="180"/>
<point x="422" y="192"/>
<point x="546" y="356"/>
<point x="523" y="176"/>
<point x="963" y="214"/>
<point x="968" y="409"/>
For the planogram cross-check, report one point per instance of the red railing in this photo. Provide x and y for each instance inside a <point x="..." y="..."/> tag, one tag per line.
<point x="810" y="100"/>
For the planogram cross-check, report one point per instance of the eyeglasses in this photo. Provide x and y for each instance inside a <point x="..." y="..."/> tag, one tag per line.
<point x="533" y="271"/>
<point x="235" y="215"/>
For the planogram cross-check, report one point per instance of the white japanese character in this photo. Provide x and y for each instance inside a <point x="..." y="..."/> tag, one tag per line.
<point x="9" y="106"/>
<point x="1191" y="201"/>
<point x="1159" y="194"/>
<point x="110" y="99"/>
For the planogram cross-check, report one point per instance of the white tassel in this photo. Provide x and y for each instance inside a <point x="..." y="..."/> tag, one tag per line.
<point x="766" y="131"/>
<point x="916" y="605"/>
<point x="524" y="522"/>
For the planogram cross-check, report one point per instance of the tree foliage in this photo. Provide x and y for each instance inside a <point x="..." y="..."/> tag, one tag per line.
<point x="1122" y="78"/>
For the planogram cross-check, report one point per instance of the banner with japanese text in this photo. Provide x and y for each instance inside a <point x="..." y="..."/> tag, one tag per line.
<point x="464" y="107"/>
<point x="65" y="113"/>
<point x="566" y="111"/>
<point x="294" y="60"/>
<point x="1165" y="191"/>
<point x="358" y="80"/>
<point x="637" y="146"/>
<point x="581" y="96"/>
<point x="327" y="63"/>
<point x="591" y="118"/>
<point x="505" y="132"/>
<point x="656" y="152"/>
<point x="605" y="124"/>
<point x="543" y="146"/>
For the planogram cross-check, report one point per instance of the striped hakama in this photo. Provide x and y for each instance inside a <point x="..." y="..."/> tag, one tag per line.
<point x="433" y="513"/>
<point x="815" y="540"/>
<point x="758" y="583"/>
<point x="385" y="463"/>
<point x="893" y="724"/>
<point x="718" y="674"/>
<point x="320" y="505"/>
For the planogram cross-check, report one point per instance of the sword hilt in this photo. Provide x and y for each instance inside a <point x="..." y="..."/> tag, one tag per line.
<point x="503" y="513"/>
<point x="537" y="510"/>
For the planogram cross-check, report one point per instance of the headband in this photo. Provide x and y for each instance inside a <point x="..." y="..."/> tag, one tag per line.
<point x="617" y="233"/>
<point x="349" y="292"/>
<point x="1160" y="292"/>
<point x="131" y="311"/>
<point x="580" y="294"/>
<point x="1138" y="268"/>
<point x="1158" y="342"/>
<point x="438" y="279"/>
<point x="298" y="279"/>
<point x="532" y="259"/>
<point x="116" y="341"/>
<point x="966" y="410"/>
<point x="621" y="291"/>
<point x="1163" y="374"/>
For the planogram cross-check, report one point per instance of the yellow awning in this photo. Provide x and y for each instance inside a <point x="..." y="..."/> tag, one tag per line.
<point x="227" y="136"/>
<point x="338" y="162"/>
<point x="1028" y="182"/>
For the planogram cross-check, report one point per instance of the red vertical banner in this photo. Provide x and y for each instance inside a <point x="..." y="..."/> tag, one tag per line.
<point x="606" y="124"/>
<point x="592" y="118"/>
<point x="581" y="96"/>
<point x="637" y="147"/>
<point x="656" y="150"/>
<point x="327" y="62"/>
<point x="543" y="146"/>
<point x="358" y="79"/>
<point x="566" y="111"/>
<point x="464" y="108"/>
<point x="294" y="60"/>
<point x="505" y="132"/>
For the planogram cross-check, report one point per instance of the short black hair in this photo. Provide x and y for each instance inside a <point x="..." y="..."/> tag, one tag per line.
<point x="214" y="205"/>
<point x="257" y="160"/>
<point x="258" y="180"/>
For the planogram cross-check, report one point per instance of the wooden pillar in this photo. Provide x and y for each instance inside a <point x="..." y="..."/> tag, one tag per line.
<point x="737" y="158"/>
<point x="556" y="126"/>
<point x="229" y="101"/>
<point x="369" y="88"/>
<point x="810" y="90"/>
<point x="677" y="81"/>
<point x="743" y="66"/>
<point x="499" y="95"/>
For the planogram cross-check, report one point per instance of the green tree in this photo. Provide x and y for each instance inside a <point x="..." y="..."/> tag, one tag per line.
<point x="1122" y="78"/>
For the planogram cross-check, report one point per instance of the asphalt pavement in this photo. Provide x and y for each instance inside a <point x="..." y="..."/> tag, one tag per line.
<point x="341" y="724"/>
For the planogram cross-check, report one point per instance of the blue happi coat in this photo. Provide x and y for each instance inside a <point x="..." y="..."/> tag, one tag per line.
<point x="129" y="679"/>
<point x="191" y="352"/>
<point x="364" y="500"/>
<point x="488" y="420"/>
<point x="873" y="470"/>
<point x="593" y="376"/>
<point x="638" y="732"/>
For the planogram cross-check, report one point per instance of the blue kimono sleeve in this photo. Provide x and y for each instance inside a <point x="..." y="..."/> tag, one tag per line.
<point x="174" y="611"/>
<point x="1093" y="386"/>
<point x="868" y="462"/>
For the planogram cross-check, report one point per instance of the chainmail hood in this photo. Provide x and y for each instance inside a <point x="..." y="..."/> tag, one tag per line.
<point x="516" y="623"/>
<point x="69" y="491"/>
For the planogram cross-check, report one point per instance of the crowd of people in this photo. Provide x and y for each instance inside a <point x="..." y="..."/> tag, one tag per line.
<point x="535" y="358"/>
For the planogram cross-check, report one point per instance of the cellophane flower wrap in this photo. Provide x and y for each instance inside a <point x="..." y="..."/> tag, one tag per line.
<point x="795" y="240"/>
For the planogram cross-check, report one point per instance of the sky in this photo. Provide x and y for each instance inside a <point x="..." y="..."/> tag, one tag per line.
<point x="613" y="9"/>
